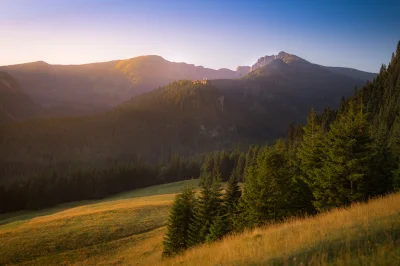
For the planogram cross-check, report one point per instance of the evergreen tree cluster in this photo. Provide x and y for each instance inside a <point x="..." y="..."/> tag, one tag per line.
<point x="203" y="219"/>
<point x="182" y="212"/>
<point x="224" y="163"/>
<point x="49" y="188"/>
<point x="61" y="184"/>
<point x="337" y="158"/>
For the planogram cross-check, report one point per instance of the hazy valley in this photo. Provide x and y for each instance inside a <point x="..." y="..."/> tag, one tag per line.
<point x="185" y="117"/>
<point x="116" y="149"/>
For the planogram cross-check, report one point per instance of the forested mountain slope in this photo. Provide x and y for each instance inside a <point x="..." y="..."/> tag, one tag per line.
<point x="14" y="104"/>
<point x="183" y="118"/>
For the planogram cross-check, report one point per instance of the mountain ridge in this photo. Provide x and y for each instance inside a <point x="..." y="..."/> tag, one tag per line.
<point x="96" y="87"/>
<point x="264" y="59"/>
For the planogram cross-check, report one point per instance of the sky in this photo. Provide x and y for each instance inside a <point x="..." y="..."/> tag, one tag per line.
<point x="211" y="33"/>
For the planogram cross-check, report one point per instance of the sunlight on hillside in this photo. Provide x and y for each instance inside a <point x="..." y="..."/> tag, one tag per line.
<point x="365" y="234"/>
<point x="129" y="228"/>
<point x="94" y="230"/>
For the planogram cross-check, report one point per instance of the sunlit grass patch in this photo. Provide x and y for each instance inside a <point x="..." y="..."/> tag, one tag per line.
<point x="129" y="230"/>
<point x="64" y="233"/>
<point x="358" y="235"/>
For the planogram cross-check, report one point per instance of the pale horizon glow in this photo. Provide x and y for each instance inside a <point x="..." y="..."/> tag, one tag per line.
<point x="213" y="34"/>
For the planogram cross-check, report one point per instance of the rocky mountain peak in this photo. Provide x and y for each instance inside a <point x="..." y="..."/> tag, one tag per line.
<point x="268" y="59"/>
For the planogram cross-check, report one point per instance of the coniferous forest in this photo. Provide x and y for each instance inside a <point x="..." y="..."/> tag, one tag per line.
<point x="338" y="157"/>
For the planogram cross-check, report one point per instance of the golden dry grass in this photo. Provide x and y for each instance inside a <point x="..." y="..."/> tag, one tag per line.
<point x="94" y="232"/>
<point x="364" y="234"/>
<point x="128" y="230"/>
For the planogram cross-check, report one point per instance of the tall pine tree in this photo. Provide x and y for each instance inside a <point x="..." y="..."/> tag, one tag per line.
<point x="345" y="174"/>
<point x="208" y="208"/>
<point x="267" y="188"/>
<point x="231" y="198"/>
<point x="310" y="155"/>
<point x="177" y="237"/>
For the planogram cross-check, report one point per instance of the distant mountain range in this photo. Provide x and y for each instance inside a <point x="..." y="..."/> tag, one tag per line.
<point x="93" y="88"/>
<point x="131" y="114"/>
<point x="185" y="117"/>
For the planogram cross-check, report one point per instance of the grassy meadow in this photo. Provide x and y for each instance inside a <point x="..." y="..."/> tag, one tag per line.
<point x="128" y="229"/>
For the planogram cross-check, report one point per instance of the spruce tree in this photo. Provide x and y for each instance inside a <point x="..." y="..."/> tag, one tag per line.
<point x="201" y="220"/>
<point x="217" y="161"/>
<point x="217" y="207"/>
<point x="218" y="229"/>
<point x="382" y="164"/>
<point x="345" y="175"/>
<point x="240" y="167"/>
<point x="208" y="208"/>
<point x="216" y="194"/>
<point x="231" y="198"/>
<point x="267" y="187"/>
<point x="394" y="136"/>
<point x="310" y="155"/>
<point x="177" y="236"/>
<point x="207" y="168"/>
<point x="239" y="219"/>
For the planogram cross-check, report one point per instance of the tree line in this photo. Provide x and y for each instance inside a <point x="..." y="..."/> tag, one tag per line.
<point x="47" y="188"/>
<point x="337" y="158"/>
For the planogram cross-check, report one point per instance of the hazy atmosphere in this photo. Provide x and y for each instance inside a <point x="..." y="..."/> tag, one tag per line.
<point x="357" y="34"/>
<point x="199" y="133"/>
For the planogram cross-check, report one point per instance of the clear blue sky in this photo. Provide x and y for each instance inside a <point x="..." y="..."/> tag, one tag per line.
<point x="212" y="33"/>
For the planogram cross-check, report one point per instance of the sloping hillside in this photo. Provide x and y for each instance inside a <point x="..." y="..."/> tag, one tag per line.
<point x="182" y="118"/>
<point x="14" y="104"/>
<point x="99" y="231"/>
<point x="128" y="229"/>
<point x="364" y="234"/>
<point x="354" y="73"/>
